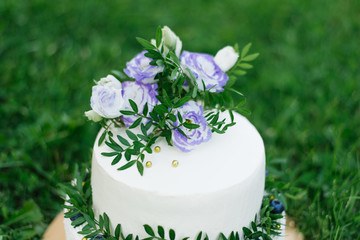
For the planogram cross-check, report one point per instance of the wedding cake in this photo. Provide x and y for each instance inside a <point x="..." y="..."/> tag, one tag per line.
<point x="174" y="159"/>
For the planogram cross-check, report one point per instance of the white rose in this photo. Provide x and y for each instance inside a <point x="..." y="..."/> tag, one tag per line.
<point x="226" y="58"/>
<point x="106" y="99"/>
<point x="93" y="116"/>
<point x="110" y="81"/>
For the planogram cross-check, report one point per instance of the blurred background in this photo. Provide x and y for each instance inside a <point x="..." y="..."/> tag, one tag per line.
<point x="304" y="95"/>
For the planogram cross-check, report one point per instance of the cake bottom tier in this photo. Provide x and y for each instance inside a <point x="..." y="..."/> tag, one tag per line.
<point x="71" y="233"/>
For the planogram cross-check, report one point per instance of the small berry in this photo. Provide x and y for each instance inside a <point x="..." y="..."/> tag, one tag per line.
<point x="76" y="217"/>
<point x="98" y="236"/>
<point x="266" y="173"/>
<point x="278" y="207"/>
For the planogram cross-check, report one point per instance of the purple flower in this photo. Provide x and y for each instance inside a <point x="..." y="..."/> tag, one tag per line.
<point x="205" y="69"/>
<point x="191" y="112"/>
<point x="140" y="69"/>
<point x="140" y="93"/>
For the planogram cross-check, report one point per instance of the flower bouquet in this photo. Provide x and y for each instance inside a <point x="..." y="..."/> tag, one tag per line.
<point x="168" y="93"/>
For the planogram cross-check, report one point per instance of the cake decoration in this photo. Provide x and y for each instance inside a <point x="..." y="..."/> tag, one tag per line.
<point x="167" y="93"/>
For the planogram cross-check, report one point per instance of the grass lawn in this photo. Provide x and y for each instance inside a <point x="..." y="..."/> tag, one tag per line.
<point x="304" y="95"/>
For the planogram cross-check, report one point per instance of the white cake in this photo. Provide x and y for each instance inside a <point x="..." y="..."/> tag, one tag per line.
<point x="218" y="187"/>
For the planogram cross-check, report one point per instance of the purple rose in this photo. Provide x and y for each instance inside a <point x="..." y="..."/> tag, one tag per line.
<point x="140" y="93"/>
<point x="205" y="69"/>
<point x="140" y="69"/>
<point x="193" y="113"/>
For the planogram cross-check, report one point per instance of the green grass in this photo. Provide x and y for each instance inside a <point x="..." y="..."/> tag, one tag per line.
<point x="304" y="94"/>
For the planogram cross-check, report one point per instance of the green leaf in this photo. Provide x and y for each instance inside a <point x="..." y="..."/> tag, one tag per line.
<point x="158" y="36"/>
<point x="160" y="109"/>
<point x="118" y="231"/>
<point x="161" y="231"/>
<point x="245" y="50"/>
<point x="146" y="44"/>
<point x="153" y="115"/>
<point x="172" y="117"/>
<point x="149" y="230"/>
<point x="199" y="236"/>
<point x="145" y="110"/>
<point x="126" y="166"/>
<point x="246" y="231"/>
<point x="251" y="57"/>
<point x="191" y="125"/>
<point x="133" y="106"/>
<point x="102" y="138"/>
<point x="128" y="113"/>
<point x="179" y="117"/>
<point x="194" y="92"/>
<point x="245" y="65"/>
<point x="235" y="91"/>
<point x="123" y="141"/>
<point x="135" y="123"/>
<point x="231" y="116"/>
<point x="127" y="155"/>
<point x="182" y="132"/>
<point x="129" y="237"/>
<point x="174" y="73"/>
<point x="253" y="226"/>
<point x="140" y="167"/>
<point x="109" y="154"/>
<point x="114" y="147"/>
<point x="78" y="221"/>
<point x="182" y="101"/>
<point x="240" y="72"/>
<point x="167" y="101"/>
<point x="106" y="222"/>
<point x="131" y="135"/>
<point x="172" y="234"/>
<point x="116" y="159"/>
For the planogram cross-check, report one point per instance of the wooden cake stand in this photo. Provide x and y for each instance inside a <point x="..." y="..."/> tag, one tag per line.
<point x="56" y="230"/>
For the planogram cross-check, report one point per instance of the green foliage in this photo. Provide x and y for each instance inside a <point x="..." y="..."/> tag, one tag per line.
<point x="303" y="94"/>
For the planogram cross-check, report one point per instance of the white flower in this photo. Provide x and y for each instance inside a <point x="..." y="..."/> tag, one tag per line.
<point x="169" y="38"/>
<point x="170" y="41"/>
<point x="226" y="58"/>
<point x="93" y="116"/>
<point x="106" y="99"/>
<point x="109" y="81"/>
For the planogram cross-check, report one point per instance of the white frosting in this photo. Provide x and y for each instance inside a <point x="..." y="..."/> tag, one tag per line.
<point x="218" y="187"/>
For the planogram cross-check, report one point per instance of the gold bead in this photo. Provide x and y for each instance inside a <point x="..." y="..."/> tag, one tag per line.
<point x="157" y="149"/>
<point x="272" y="197"/>
<point x="278" y="226"/>
<point x="84" y="238"/>
<point x="148" y="164"/>
<point x="83" y="183"/>
<point x="175" y="163"/>
<point x="188" y="121"/>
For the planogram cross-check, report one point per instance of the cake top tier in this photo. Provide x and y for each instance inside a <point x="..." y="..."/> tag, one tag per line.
<point x="225" y="160"/>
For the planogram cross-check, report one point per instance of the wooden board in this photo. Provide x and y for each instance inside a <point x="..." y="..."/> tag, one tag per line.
<point x="56" y="230"/>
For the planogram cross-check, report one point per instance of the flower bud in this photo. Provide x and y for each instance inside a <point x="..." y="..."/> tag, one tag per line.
<point x="169" y="38"/>
<point x="226" y="58"/>
<point x="93" y="116"/>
